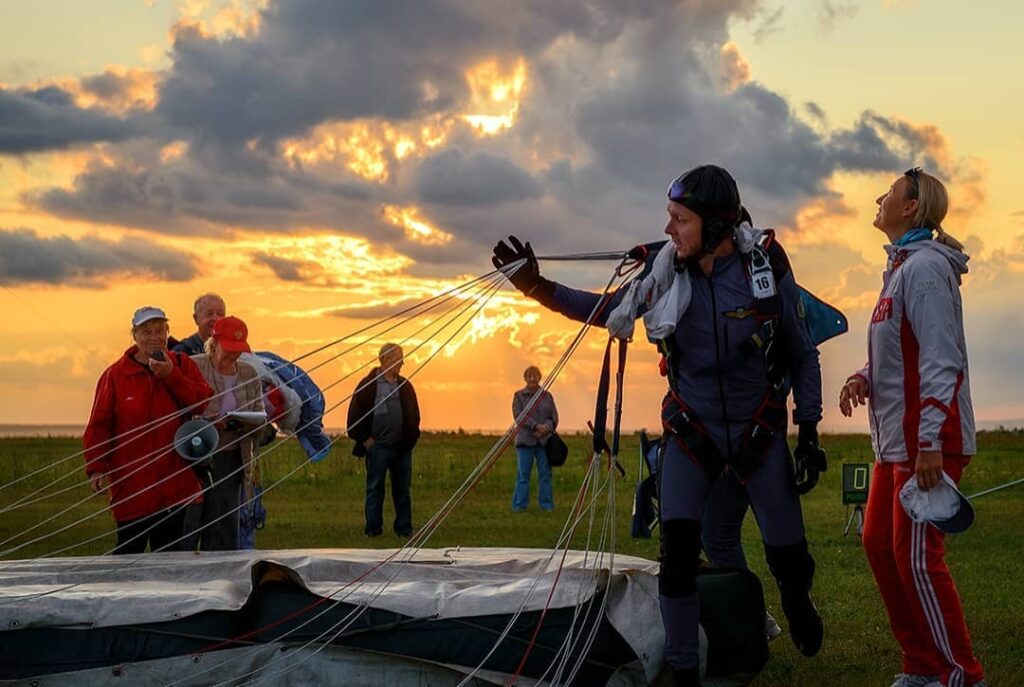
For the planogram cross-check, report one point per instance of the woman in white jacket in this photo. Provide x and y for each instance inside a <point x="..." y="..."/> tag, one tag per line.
<point x="917" y="390"/>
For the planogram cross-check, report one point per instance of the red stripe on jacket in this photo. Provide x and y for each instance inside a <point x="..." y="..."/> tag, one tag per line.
<point x="911" y="387"/>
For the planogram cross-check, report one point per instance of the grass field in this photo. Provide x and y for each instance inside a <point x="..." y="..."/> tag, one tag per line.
<point x="321" y="506"/>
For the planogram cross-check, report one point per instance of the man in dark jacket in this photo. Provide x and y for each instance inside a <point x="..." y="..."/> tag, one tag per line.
<point x="384" y="421"/>
<point x="206" y="310"/>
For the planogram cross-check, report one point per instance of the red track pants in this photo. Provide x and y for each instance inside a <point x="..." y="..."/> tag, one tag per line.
<point x="919" y="594"/>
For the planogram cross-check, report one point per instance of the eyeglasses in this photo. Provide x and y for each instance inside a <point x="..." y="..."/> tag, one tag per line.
<point x="914" y="174"/>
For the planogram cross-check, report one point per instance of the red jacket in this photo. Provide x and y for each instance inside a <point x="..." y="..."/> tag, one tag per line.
<point x="128" y="396"/>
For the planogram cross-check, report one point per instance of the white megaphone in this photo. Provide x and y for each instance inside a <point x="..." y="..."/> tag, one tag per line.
<point x="196" y="439"/>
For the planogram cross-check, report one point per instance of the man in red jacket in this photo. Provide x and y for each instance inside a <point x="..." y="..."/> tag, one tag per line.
<point x="140" y="402"/>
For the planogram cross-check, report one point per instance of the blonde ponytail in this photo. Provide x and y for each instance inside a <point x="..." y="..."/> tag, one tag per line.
<point x="945" y="239"/>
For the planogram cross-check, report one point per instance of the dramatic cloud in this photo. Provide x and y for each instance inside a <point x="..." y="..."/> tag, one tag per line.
<point x="27" y="258"/>
<point x="450" y="178"/>
<point x="436" y="129"/>
<point x="47" y="118"/>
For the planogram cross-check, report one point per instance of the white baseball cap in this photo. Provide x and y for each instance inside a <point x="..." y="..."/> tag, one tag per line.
<point x="943" y="505"/>
<point x="147" y="313"/>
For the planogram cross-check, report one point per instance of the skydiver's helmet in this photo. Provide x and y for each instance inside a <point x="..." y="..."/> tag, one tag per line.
<point x="710" y="192"/>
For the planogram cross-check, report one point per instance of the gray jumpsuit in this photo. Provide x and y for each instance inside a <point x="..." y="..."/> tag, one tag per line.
<point x="725" y="396"/>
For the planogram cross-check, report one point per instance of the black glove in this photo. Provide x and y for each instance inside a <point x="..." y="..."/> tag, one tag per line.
<point x="527" y="278"/>
<point x="808" y="459"/>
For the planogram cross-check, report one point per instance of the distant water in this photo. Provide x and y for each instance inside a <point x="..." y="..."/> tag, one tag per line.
<point x="41" y="430"/>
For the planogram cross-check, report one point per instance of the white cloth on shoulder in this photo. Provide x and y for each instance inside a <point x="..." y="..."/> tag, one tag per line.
<point x="666" y="292"/>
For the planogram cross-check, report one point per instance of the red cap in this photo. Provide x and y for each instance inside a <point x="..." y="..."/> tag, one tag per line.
<point x="230" y="334"/>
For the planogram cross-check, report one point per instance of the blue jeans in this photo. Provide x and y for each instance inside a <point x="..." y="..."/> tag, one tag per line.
<point x="525" y="456"/>
<point x="379" y="460"/>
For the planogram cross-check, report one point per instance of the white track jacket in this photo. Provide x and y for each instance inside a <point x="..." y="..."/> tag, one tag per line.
<point x="919" y="395"/>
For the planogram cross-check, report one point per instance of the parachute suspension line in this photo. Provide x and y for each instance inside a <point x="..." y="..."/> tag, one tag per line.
<point x="581" y="619"/>
<point x="580" y="509"/>
<point x="492" y="290"/>
<point x="358" y="579"/>
<point x="600" y="448"/>
<point x="257" y="429"/>
<point x="408" y="551"/>
<point x="487" y="291"/>
<point x="140" y="431"/>
<point x="602" y="303"/>
<point x="609" y="513"/>
<point x="559" y="654"/>
<point x="410" y="311"/>
<point x="420" y="538"/>
<point x="493" y="282"/>
<point x="464" y="307"/>
<point x="585" y="257"/>
<point x="160" y="421"/>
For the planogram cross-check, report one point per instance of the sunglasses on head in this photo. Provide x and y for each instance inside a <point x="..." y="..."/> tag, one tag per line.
<point x="914" y="174"/>
<point x="676" y="191"/>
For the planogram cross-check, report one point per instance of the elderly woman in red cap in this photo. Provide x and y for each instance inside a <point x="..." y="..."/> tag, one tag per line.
<point x="230" y="474"/>
<point x="130" y="435"/>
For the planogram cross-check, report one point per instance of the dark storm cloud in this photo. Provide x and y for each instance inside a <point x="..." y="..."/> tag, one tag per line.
<point x="27" y="258"/>
<point x="451" y="178"/>
<point x="47" y="119"/>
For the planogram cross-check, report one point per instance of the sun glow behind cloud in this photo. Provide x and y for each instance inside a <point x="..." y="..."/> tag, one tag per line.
<point x="496" y="94"/>
<point x="366" y="148"/>
<point x="416" y="228"/>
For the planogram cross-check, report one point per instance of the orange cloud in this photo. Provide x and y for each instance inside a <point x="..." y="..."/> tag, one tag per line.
<point x="117" y="89"/>
<point x="734" y="70"/>
<point x="219" y="19"/>
<point x="815" y="223"/>
<point x="367" y="148"/>
<point x="495" y="96"/>
<point x="416" y="228"/>
<point x="323" y="260"/>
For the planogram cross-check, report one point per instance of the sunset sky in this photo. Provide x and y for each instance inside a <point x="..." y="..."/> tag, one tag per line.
<point x="322" y="164"/>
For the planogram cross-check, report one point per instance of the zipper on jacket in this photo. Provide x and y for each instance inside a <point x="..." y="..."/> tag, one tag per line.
<point x="718" y="370"/>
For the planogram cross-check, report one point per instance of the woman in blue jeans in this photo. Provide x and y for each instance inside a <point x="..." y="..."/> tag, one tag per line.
<point x="534" y="431"/>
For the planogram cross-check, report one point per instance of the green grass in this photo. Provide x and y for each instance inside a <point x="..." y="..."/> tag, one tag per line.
<point x="321" y="506"/>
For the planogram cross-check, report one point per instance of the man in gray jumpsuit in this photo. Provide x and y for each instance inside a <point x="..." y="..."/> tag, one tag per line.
<point x="737" y="349"/>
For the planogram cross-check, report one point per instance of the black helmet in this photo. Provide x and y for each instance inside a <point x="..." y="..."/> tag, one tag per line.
<point x="710" y="192"/>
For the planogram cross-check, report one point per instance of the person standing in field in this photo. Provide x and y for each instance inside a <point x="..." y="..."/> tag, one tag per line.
<point x="384" y="422"/>
<point x="723" y="305"/>
<point x="206" y="310"/>
<point x="129" y="441"/>
<point x="917" y="389"/>
<point x="534" y="432"/>
<point x="230" y="475"/>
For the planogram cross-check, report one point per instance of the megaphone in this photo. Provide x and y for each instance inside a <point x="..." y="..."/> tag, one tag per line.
<point x="196" y="440"/>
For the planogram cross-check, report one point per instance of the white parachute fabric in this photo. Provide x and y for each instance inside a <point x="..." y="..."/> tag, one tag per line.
<point x="442" y="583"/>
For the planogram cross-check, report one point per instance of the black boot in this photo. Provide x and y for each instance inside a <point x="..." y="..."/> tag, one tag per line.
<point x="686" y="677"/>
<point x="793" y="569"/>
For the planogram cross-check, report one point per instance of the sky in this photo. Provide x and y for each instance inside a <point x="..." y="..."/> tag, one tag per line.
<point x="324" y="164"/>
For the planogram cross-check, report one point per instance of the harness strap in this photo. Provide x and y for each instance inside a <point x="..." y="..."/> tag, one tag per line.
<point x="766" y="265"/>
<point x="600" y="424"/>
